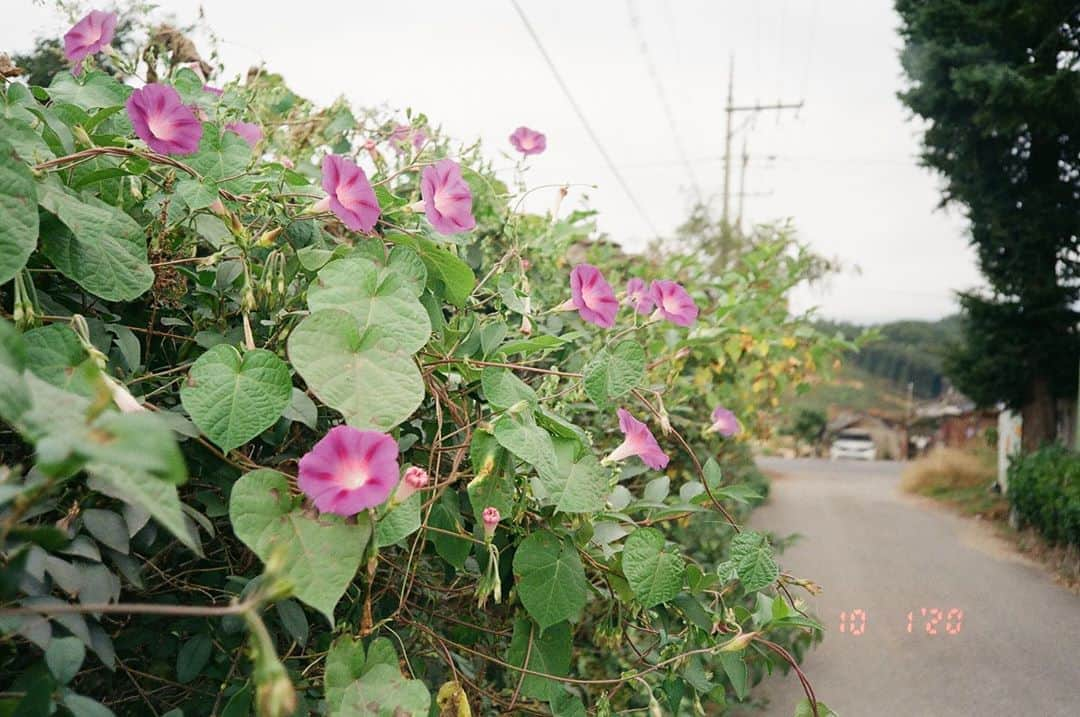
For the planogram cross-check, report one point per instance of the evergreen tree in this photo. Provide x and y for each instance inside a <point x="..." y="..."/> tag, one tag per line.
<point x="998" y="85"/>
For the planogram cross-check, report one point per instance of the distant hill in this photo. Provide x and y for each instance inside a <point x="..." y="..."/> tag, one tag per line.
<point x="908" y="351"/>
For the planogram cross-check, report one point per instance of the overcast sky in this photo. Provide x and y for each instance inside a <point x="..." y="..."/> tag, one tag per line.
<point x="843" y="167"/>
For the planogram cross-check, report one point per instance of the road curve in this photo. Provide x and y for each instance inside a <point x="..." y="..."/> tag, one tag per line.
<point x="1016" y="650"/>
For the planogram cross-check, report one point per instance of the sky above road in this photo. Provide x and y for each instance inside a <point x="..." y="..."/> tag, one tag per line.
<point x="843" y="168"/>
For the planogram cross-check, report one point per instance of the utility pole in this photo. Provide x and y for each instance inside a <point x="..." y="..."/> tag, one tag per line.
<point x="742" y="187"/>
<point x="730" y="109"/>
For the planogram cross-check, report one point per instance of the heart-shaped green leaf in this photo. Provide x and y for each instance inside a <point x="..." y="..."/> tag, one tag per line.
<point x="233" y="398"/>
<point x="611" y="374"/>
<point x="352" y="372"/>
<point x="383" y="300"/>
<point x="579" y="484"/>
<point x="18" y="213"/>
<point x="320" y="553"/>
<point x="550" y="580"/>
<point x="654" y="574"/>
<point x="95" y="244"/>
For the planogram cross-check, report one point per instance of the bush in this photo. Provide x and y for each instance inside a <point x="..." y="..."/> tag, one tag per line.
<point x="1044" y="489"/>
<point x="259" y="444"/>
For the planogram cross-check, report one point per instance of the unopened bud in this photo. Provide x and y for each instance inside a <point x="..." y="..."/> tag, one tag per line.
<point x="491" y="520"/>
<point x="268" y="237"/>
<point x="81" y="136"/>
<point x="415" y="478"/>
<point x="526" y="326"/>
<point x="739" y="642"/>
<point x="275" y="696"/>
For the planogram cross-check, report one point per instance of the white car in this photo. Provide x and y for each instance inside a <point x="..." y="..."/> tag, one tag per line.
<point x="857" y="445"/>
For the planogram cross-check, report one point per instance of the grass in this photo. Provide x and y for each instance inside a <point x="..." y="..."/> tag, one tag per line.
<point x="960" y="478"/>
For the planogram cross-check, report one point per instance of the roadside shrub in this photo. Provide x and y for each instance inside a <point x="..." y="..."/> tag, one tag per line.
<point x="1044" y="489"/>
<point x="301" y="415"/>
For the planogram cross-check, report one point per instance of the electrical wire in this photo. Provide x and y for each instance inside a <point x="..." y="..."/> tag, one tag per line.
<point x="584" y="120"/>
<point x="661" y="93"/>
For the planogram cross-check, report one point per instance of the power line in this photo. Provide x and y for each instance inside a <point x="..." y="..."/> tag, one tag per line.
<point x="658" y="85"/>
<point x="584" y="120"/>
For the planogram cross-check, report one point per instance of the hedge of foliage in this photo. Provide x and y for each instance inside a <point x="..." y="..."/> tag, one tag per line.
<point x="1044" y="489"/>
<point x="303" y="415"/>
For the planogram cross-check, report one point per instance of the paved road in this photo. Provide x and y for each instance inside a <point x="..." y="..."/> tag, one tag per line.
<point x="875" y="549"/>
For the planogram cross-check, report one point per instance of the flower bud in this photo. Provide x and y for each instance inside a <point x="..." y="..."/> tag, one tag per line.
<point x="275" y="697"/>
<point x="268" y="237"/>
<point x="81" y="136"/>
<point x="491" y="520"/>
<point x="739" y="642"/>
<point x="415" y="478"/>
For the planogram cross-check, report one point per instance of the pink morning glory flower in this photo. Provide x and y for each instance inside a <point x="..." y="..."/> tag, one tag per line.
<point x="349" y="470"/>
<point x="447" y="198"/>
<point x="419" y="137"/>
<point x="723" y="422"/>
<point x="528" y="141"/>
<point x="248" y="131"/>
<point x="673" y="303"/>
<point x="89" y="36"/>
<point x="638" y="441"/>
<point x="639" y="296"/>
<point x="491" y="519"/>
<point x="163" y="121"/>
<point x="351" y="197"/>
<point x="592" y="296"/>
<point x="217" y="91"/>
<point x="415" y="478"/>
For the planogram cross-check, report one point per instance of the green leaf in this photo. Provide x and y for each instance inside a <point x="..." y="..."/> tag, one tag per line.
<point x="752" y="555"/>
<point x="320" y="554"/>
<point x="221" y="155"/>
<point x="447" y="274"/>
<point x="493" y="489"/>
<point x="446" y="516"/>
<point x="293" y="619"/>
<point x="521" y="436"/>
<point x="14" y="394"/>
<point x="736" y="670"/>
<point x="192" y="658"/>
<point x="567" y="705"/>
<point x="233" y="398"/>
<point x="535" y="344"/>
<point x="155" y="496"/>
<point x="803" y="709"/>
<point x="579" y="484"/>
<point x="550" y="579"/>
<point x="82" y="706"/>
<point x="195" y="194"/>
<point x="108" y="528"/>
<point x="344" y="665"/>
<point x="102" y="249"/>
<point x="64" y="657"/>
<point x="382" y="300"/>
<point x="27" y="143"/>
<point x="503" y="389"/>
<point x="346" y="370"/>
<point x="550" y="654"/>
<point x="52" y="352"/>
<point x="408" y="265"/>
<point x="302" y="409"/>
<point x="18" y="213"/>
<point x="611" y="374"/>
<point x="399" y="522"/>
<point x="655" y="575"/>
<point x="383" y="692"/>
<point x="92" y="89"/>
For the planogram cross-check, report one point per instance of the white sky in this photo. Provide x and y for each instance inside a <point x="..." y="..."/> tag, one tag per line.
<point x="843" y="167"/>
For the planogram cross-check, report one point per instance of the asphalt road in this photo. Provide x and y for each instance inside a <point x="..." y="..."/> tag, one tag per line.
<point x="1015" y="652"/>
